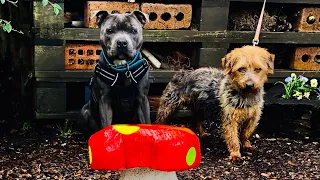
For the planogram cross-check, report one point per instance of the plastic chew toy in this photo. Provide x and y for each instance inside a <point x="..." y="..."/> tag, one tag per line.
<point x="144" y="152"/>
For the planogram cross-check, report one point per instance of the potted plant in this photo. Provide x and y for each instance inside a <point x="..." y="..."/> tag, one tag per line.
<point x="292" y="108"/>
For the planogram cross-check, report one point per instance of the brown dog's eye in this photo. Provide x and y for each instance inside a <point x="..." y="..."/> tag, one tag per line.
<point x="109" y="31"/>
<point x="242" y="70"/>
<point x="257" y="70"/>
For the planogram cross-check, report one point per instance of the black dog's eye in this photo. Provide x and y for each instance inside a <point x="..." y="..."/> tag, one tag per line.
<point x="242" y="69"/>
<point x="257" y="70"/>
<point x="109" y="31"/>
<point x="134" y="31"/>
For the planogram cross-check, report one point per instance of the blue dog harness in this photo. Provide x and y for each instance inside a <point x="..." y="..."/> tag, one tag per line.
<point x="121" y="76"/>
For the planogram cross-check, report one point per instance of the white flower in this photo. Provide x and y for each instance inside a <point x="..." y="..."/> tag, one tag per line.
<point x="313" y="83"/>
<point x="306" y="95"/>
<point x="299" y="97"/>
<point x="293" y="75"/>
<point x="297" y="93"/>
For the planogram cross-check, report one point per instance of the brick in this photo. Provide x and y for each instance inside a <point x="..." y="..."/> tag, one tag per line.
<point x="81" y="56"/>
<point x="305" y="25"/>
<point x="306" y="58"/>
<point x="92" y="6"/>
<point x="167" y="16"/>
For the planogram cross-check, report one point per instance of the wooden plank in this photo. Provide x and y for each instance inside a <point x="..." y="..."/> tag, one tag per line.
<point x="92" y="34"/>
<point x="86" y="34"/>
<point x="49" y="58"/>
<point x="74" y="75"/>
<point x="44" y="17"/>
<point x="273" y="37"/>
<point x="74" y="114"/>
<point x="214" y="15"/>
<point x="211" y="56"/>
<point x="282" y="1"/>
<point x="50" y="97"/>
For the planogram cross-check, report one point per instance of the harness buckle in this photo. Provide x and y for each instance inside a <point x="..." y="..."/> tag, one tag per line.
<point x="145" y="63"/>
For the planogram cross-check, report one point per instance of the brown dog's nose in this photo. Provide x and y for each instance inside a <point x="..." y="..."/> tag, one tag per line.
<point x="122" y="43"/>
<point x="249" y="85"/>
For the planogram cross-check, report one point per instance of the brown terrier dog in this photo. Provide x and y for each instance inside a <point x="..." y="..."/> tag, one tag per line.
<point x="234" y="95"/>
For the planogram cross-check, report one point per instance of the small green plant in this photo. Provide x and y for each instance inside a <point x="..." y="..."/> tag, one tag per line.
<point x="26" y="126"/>
<point x="299" y="87"/>
<point x="6" y="25"/>
<point x="66" y="130"/>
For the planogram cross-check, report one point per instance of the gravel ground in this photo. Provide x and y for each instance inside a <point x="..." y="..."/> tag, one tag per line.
<point x="44" y="155"/>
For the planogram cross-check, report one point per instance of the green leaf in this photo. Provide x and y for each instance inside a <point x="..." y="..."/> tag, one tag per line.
<point x="8" y="27"/>
<point x="3" y="1"/>
<point x="56" y="11"/>
<point x="44" y="2"/>
<point x="57" y="6"/>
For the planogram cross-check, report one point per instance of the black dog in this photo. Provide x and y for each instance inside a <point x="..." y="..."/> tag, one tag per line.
<point x="120" y="83"/>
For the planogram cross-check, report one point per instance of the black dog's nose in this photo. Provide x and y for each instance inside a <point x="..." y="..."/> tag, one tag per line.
<point x="122" y="43"/>
<point x="249" y="85"/>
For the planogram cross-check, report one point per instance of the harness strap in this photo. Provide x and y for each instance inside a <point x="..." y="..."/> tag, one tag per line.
<point x="121" y="74"/>
<point x="255" y="40"/>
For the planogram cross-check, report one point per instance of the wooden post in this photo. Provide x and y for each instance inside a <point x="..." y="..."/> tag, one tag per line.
<point x="213" y="17"/>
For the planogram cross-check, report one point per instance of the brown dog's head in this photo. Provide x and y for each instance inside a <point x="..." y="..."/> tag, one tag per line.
<point x="248" y="67"/>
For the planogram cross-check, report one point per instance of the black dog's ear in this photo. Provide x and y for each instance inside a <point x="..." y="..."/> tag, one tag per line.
<point x="100" y="16"/>
<point x="227" y="63"/>
<point x="142" y="17"/>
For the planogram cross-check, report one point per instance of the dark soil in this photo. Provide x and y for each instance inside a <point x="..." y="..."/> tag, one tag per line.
<point x="44" y="155"/>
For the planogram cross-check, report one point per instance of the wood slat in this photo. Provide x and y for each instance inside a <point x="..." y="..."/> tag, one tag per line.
<point x="282" y="1"/>
<point x="155" y="76"/>
<point x="87" y="34"/>
<point x="74" y="114"/>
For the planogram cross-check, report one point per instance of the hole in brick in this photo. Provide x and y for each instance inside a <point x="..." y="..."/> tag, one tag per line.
<point x="153" y="16"/>
<point x="311" y="19"/>
<point x="72" y="52"/>
<point x="305" y="57"/>
<point x="166" y="16"/>
<point x="89" y="52"/>
<point x="317" y="58"/>
<point x="179" y="16"/>
<point x="115" y="12"/>
<point x="89" y="62"/>
<point x="71" y="61"/>
<point x="98" y="52"/>
<point x="80" y="61"/>
<point x="80" y="52"/>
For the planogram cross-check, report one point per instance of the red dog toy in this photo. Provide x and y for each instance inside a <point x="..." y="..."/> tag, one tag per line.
<point x="157" y="149"/>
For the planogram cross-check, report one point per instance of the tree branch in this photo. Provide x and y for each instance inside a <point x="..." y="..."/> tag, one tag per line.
<point x="3" y="23"/>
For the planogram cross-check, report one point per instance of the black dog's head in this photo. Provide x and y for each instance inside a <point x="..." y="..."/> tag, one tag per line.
<point x="121" y="34"/>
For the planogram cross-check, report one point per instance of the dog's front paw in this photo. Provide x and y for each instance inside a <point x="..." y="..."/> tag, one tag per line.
<point x="247" y="146"/>
<point x="235" y="156"/>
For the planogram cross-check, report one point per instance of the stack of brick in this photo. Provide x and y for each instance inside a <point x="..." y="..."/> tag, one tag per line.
<point x="307" y="58"/>
<point x="162" y="16"/>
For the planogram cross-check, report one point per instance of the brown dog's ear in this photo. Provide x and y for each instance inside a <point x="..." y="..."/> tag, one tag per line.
<point x="142" y="17"/>
<point x="227" y="64"/>
<point x="270" y="63"/>
<point x="100" y="16"/>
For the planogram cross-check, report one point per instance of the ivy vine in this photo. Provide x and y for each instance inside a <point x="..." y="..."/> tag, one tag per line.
<point x="6" y="25"/>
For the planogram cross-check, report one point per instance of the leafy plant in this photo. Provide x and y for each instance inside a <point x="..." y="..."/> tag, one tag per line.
<point x="299" y="87"/>
<point x="6" y="25"/>
<point x="66" y="130"/>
